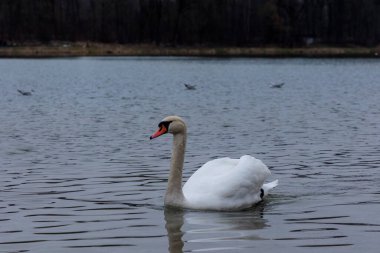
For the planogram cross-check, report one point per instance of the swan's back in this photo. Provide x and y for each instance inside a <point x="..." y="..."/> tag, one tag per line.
<point x="226" y="184"/>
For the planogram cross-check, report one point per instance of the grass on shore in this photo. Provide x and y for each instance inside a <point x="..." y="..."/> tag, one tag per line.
<point x="98" y="49"/>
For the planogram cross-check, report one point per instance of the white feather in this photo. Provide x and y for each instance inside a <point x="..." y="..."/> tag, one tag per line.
<point x="227" y="184"/>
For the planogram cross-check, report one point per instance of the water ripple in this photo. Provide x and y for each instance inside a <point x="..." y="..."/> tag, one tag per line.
<point x="79" y="174"/>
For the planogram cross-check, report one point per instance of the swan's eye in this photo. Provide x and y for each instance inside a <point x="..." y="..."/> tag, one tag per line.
<point x="164" y="124"/>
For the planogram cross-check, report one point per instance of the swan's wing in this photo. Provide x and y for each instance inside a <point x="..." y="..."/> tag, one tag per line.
<point x="226" y="183"/>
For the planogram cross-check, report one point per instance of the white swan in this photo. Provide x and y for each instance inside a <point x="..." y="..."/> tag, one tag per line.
<point x="220" y="184"/>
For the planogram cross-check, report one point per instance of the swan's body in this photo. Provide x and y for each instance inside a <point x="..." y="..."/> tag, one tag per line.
<point x="220" y="184"/>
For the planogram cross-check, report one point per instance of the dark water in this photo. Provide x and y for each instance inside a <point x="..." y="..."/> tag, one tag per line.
<point x="79" y="174"/>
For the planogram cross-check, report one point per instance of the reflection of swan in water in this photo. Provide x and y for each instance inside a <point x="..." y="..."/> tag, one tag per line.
<point x="229" y="221"/>
<point x="174" y="222"/>
<point x="232" y="227"/>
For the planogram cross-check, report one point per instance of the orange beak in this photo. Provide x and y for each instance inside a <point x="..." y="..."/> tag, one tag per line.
<point x="162" y="130"/>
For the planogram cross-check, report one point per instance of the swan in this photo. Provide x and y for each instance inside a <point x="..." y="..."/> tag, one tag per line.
<point x="220" y="184"/>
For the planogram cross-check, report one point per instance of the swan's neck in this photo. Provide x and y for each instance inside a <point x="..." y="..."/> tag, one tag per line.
<point x="174" y="195"/>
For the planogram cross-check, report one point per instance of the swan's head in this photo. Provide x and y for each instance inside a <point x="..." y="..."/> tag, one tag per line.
<point x="170" y="124"/>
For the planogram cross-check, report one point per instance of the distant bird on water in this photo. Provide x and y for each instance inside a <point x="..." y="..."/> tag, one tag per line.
<point x="190" y="86"/>
<point x="25" y="93"/>
<point x="277" y="85"/>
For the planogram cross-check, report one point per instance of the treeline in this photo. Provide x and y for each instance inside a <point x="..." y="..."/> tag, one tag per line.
<point x="285" y="23"/>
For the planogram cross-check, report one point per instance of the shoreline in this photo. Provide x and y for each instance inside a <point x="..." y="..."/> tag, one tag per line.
<point x="78" y="49"/>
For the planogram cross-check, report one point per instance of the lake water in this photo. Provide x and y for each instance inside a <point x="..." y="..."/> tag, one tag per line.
<point x="78" y="172"/>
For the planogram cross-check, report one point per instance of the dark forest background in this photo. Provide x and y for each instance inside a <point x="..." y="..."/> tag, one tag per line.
<point x="286" y="23"/>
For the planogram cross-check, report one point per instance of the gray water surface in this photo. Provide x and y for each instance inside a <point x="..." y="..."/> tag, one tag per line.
<point x="78" y="172"/>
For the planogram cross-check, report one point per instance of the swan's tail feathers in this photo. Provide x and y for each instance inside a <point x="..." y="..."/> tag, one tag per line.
<point x="267" y="187"/>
